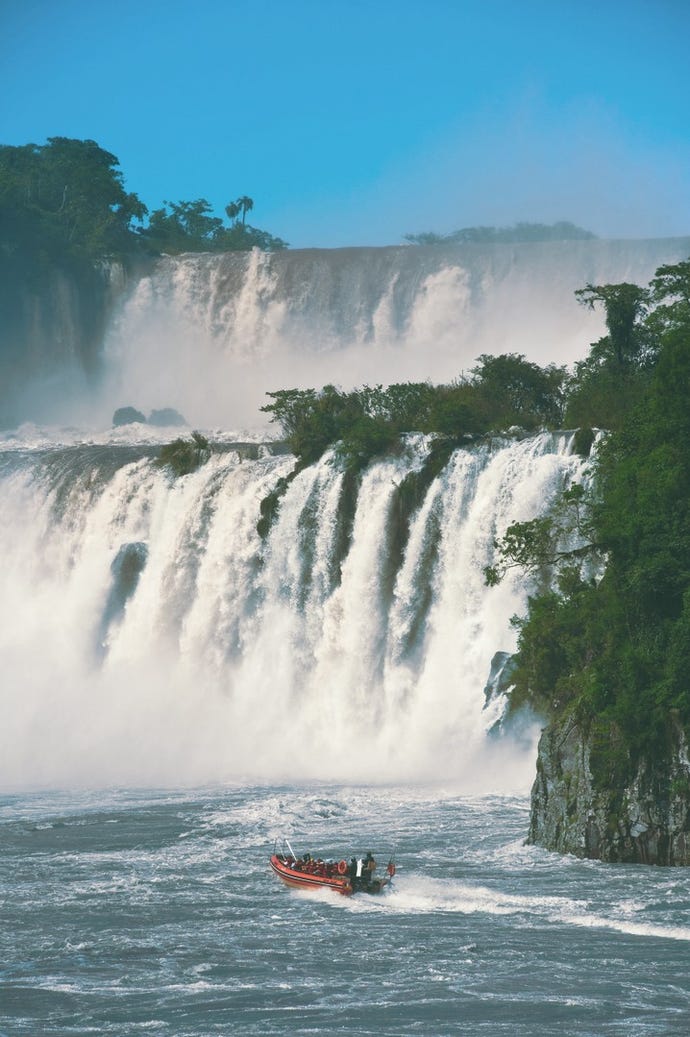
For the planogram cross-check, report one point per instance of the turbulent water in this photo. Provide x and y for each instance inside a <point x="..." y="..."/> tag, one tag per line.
<point x="149" y="634"/>
<point x="141" y="913"/>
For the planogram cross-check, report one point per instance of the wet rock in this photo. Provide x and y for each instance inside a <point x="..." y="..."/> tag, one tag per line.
<point x="166" y="417"/>
<point x="126" y="568"/>
<point x="127" y="416"/>
<point x="581" y="806"/>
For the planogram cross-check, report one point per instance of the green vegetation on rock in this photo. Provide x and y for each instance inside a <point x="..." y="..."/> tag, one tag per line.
<point x="614" y="651"/>
<point x="500" y="393"/>
<point x="184" y="456"/>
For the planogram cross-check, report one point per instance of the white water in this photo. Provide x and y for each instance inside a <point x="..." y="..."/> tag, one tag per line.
<point x="235" y="657"/>
<point x="211" y="334"/>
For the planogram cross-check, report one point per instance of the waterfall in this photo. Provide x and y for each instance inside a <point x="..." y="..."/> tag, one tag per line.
<point x="211" y="334"/>
<point x="149" y="634"/>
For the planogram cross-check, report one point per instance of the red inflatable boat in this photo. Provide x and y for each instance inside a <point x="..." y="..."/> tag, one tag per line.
<point x="307" y="872"/>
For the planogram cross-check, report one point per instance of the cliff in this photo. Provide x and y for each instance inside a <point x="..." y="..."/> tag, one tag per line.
<point x="592" y="799"/>
<point x="54" y="318"/>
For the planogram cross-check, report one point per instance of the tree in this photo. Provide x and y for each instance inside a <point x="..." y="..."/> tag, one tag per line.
<point x="245" y="204"/>
<point x="242" y="205"/>
<point x="561" y="231"/>
<point x="519" y="392"/>
<point x="615" y="374"/>
<point x="191" y="227"/>
<point x="625" y="306"/>
<point x="66" y="197"/>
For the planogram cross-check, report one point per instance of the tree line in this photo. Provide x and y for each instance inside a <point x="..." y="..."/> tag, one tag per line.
<point x="563" y="230"/>
<point x="66" y="201"/>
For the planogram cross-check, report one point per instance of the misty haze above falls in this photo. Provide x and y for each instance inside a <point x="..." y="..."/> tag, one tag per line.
<point x="148" y="634"/>
<point x="210" y="334"/>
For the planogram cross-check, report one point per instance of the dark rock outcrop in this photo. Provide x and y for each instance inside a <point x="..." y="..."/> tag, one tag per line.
<point x="126" y="568"/>
<point x="127" y="416"/>
<point x="578" y="808"/>
<point x="166" y="417"/>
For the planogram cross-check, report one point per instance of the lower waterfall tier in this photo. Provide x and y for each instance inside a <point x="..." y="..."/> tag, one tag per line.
<point x="149" y="634"/>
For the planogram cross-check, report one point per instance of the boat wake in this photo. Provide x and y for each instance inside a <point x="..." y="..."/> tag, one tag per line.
<point x="416" y="894"/>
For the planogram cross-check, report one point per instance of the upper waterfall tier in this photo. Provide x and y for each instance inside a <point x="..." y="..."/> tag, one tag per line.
<point x="210" y="334"/>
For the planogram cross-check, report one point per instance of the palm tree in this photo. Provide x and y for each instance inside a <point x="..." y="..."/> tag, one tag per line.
<point x="245" y="204"/>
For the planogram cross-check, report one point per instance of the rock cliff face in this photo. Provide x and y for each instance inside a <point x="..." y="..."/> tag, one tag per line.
<point x="51" y="332"/>
<point x="578" y="808"/>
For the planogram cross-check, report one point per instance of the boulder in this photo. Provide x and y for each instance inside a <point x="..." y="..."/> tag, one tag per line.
<point x="166" y="417"/>
<point x="127" y="416"/>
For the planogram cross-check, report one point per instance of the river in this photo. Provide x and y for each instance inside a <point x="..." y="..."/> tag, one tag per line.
<point x="155" y="912"/>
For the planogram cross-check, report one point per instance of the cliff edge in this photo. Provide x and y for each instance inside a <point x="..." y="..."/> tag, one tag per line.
<point x="591" y="799"/>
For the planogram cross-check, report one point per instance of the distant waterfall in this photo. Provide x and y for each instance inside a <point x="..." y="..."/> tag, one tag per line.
<point x="149" y="634"/>
<point x="211" y="334"/>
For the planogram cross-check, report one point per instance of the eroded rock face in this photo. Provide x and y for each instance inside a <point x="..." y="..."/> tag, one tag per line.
<point x="126" y="568"/>
<point x="644" y="820"/>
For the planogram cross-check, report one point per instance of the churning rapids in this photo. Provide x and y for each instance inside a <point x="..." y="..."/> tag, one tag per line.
<point x="132" y="913"/>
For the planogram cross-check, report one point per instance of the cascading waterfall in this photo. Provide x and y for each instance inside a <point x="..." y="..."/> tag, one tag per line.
<point x="150" y="635"/>
<point x="211" y="334"/>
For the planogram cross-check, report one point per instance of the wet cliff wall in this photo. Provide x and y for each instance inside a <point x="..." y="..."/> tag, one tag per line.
<point x="591" y="798"/>
<point x="53" y="320"/>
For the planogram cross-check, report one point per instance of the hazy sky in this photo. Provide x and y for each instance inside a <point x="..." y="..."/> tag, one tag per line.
<point x="356" y="122"/>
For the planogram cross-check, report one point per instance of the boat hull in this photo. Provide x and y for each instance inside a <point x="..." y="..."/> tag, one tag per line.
<point x="284" y="868"/>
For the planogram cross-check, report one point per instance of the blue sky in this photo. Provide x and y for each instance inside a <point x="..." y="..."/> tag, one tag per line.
<point x="354" y="123"/>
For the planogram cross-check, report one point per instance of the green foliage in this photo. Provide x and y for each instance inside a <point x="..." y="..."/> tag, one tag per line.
<point x="583" y="441"/>
<point x="625" y="306"/>
<point x="192" y="227"/>
<point x="561" y="231"/>
<point x="555" y="541"/>
<point x="617" y="651"/>
<point x="362" y="424"/>
<point x="518" y="392"/>
<point x="184" y="456"/>
<point x="65" y="202"/>
<point x="64" y="199"/>
<point x="615" y="377"/>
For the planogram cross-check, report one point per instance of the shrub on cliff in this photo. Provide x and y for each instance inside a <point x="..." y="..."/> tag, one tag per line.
<point x="185" y="455"/>
<point x="501" y="391"/>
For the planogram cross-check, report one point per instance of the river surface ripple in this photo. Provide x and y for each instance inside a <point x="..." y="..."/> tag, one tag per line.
<point x="155" y="912"/>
